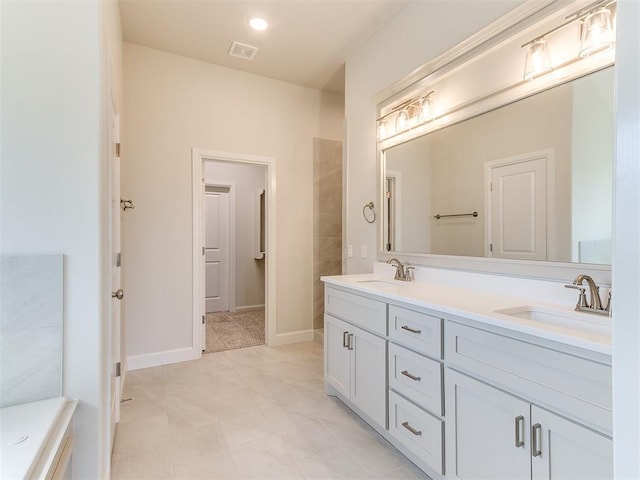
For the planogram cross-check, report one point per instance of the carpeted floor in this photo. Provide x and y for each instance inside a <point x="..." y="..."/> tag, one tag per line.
<point x="229" y="331"/>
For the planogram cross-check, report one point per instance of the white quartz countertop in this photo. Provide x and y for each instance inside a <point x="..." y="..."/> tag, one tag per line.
<point x="481" y="307"/>
<point x="24" y="431"/>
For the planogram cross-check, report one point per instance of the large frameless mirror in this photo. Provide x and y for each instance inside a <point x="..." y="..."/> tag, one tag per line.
<point x="531" y="180"/>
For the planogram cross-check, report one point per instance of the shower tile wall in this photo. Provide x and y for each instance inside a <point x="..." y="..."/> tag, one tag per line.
<point x="327" y="219"/>
<point x="30" y="328"/>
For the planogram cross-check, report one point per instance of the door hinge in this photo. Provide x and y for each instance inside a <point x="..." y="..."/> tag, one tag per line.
<point x="203" y="319"/>
<point x="203" y="250"/>
<point x="118" y="369"/>
<point x="118" y="149"/>
<point x="118" y="259"/>
<point x="491" y="186"/>
<point x="491" y="247"/>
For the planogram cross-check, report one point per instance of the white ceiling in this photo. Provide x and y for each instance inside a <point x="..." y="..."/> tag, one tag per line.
<point x="306" y="43"/>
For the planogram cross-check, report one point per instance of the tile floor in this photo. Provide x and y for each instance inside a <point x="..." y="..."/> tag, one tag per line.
<point x="255" y="413"/>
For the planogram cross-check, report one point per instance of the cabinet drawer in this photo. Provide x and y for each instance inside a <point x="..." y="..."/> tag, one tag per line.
<point x="361" y="311"/>
<point x="419" y="331"/>
<point x="418" y="431"/>
<point x="416" y="377"/>
<point x="578" y="387"/>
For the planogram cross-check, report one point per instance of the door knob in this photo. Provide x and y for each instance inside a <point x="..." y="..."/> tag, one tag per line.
<point x="119" y="294"/>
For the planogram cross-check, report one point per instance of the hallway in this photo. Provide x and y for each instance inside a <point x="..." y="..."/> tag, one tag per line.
<point x="257" y="413"/>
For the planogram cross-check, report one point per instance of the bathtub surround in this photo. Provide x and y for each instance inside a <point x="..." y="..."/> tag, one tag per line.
<point x="30" y="328"/>
<point x="327" y="219"/>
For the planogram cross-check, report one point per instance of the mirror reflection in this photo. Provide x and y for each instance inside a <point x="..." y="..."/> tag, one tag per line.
<point x="537" y="173"/>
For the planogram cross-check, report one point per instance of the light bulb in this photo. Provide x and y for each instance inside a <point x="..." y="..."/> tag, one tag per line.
<point x="597" y="32"/>
<point x="424" y="109"/>
<point x="537" y="61"/>
<point x="402" y="120"/>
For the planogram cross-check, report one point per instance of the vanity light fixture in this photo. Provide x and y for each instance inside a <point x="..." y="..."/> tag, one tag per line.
<point x="382" y="129"/>
<point x="597" y="32"/>
<point x="537" y="61"/>
<point x="425" y="108"/>
<point x="596" y="35"/>
<point x="402" y="120"/>
<point x="406" y="116"/>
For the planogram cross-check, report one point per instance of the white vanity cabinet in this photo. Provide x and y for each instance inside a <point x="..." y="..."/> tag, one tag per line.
<point x="416" y="405"/>
<point x="355" y="360"/>
<point x="502" y="431"/>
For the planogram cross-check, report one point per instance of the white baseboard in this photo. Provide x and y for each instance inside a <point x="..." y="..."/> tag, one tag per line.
<point x="292" y="337"/>
<point x="249" y="307"/>
<point x="166" y="357"/>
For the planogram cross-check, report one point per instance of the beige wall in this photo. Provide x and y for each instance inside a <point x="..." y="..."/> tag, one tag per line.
<point x="174" y="104"/>
<point x="461" y="151"/>
<point x="413" y="192"/>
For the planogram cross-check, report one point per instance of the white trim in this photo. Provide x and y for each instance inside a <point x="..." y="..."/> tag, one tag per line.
<point x="291" y="337"/>
<point x="233" y="205"/>
<point x="198" y="157"/>
<point x="146" y="360"/>
<point x="249" y="307"/>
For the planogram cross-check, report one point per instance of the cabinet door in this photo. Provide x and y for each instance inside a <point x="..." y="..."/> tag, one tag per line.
<point x="337" y="357"/>
<point x="562" y="449"/>
<point x="486" y="431"/>
<point x="369" y="375"/>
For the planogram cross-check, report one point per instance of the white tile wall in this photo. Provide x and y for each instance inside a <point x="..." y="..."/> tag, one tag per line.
<point x="31" y="321"/>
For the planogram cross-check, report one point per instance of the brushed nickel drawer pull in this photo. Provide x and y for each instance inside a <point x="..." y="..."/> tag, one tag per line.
<point x="536" y="432"/>
<point x="350" y="342"/>
<point x="345" y="339"/>
<point x="409" y="329"/>
<point x="519" y="431"/>
<point x="411" y="429"/>
<point x="412" y="377"/>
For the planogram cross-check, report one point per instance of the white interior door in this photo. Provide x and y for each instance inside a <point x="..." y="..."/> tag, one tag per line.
<point x="518" y="199"/>
<point x="216" y="248"/>
<point x="116" y="291"/>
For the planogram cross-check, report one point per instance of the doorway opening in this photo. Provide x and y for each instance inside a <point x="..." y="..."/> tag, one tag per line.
<point x="234" y="298"/>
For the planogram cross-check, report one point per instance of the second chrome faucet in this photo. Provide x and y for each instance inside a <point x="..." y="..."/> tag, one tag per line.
<point x="595" y="303"/>
<point x="403" y="272"/>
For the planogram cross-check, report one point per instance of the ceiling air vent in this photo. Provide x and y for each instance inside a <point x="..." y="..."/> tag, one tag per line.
<point x="242" y="50"/>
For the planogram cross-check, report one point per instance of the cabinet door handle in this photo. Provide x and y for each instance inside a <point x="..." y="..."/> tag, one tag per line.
<point x="411" y="429"/>
<point x="409" y="329"/>
<point x="519" y="431"/>
<point x="536" y="448"/>
<point x="412" y="377"/>
<point x="350" y="342"/>
<point x="345" y="339"/>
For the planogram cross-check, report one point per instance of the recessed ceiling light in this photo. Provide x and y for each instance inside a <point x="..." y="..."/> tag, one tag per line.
<point x="258" y="23"/>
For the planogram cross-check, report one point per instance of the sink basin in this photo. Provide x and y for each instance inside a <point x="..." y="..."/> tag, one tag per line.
<point x="568" y="319"/>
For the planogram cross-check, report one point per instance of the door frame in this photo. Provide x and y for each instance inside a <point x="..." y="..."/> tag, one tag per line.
<point x="198" y="157"/>
<point x="549" y="155"/>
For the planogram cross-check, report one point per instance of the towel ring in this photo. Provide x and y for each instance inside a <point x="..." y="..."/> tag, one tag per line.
<point x="369" y="213"/>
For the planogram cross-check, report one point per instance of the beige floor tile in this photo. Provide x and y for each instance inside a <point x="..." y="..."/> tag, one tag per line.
<point x="255" y="413"/>
<point x="142" y="450"/>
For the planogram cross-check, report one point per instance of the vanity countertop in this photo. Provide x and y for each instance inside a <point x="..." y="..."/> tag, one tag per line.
<point x="25" y="430"/>
<point x="481" y="307"/>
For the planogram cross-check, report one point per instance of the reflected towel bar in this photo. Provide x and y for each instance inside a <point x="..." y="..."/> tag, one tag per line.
<point x="474" y="214"/>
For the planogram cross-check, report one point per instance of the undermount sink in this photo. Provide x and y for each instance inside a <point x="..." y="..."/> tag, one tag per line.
<point x="574" y="320"/>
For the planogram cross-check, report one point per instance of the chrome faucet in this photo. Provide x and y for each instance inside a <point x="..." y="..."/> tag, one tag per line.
<point x="595" y="304"/>
<point x="403" y="272"/>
